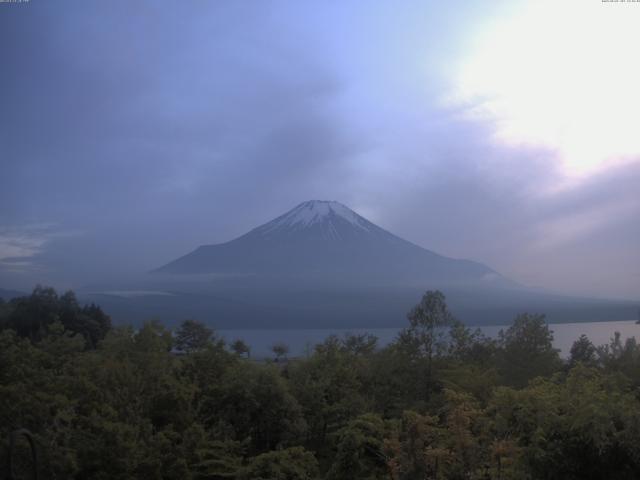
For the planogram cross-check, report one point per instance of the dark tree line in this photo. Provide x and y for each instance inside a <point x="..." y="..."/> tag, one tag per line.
<point x="440" y="402"/>
<point x="33" y="315"/>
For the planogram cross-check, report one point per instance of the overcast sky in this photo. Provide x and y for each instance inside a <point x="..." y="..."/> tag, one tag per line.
<point x="504" y="132"/>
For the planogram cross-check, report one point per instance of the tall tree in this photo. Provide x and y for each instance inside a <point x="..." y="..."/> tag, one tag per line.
<point x="30" y="316"/>
<point x="360" y="450"/>
<point x="527" y="350"/>
<point x="425" y="334"/>
<point x="240" y="348"/>
<point x="193" y="336"/>
<point x="281" y="350"/>
<point x="583" y="351"/>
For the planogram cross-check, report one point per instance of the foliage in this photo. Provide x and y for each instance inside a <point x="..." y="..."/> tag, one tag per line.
<point x="280" y="350"/>
<point x="30" y="316"/>
<point x="241" y="348"/>
<point x="360" y="449"/>
<point x="192" y="336"/>
<point x="583" y="351"/>
<point x="425" y="337"/>
<point x="527" y="350"/>
<point x="290" y="464"/>
<point x="438" y="403"/>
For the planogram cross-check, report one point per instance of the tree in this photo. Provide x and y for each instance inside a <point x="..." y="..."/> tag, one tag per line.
<point x="290" y="464"/>
<point x="468" y="346"/>
<point x="153" y="337"/>
<point x="30" y="316"/>
<point x="241" y="348"/>
<point x="582" y="427"/>
<point x="329" y="387"/>
<point x="252" y="401"/>
<point x="621" y="357"/>
<point x="527" y="350"/>
<point x="583" y="351"/>
<point x="464" y="435"/>
<point x="193" y="336"/>
<point x="360" y="344"/>
<point x="426" y="320"/>
<point x="90" y="321"/>
<point x="97" y="324"/>
<point x="130" y="408"/>
<point x="425" y="335"/>
<point x="281" y="350"/>
<point x="416" y="449"/>
<point x="219" y="460"/>
<point x="360" y="450"/>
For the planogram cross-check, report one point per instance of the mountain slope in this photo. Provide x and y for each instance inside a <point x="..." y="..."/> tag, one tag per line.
<point x="321" y="265"/>
<point x="327" y="242"/>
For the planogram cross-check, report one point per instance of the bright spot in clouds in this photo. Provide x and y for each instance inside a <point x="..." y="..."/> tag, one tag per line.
<point x="559" y="74"/>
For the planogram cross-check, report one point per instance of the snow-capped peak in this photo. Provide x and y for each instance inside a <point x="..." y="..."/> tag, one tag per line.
<point x="316" y="211"/>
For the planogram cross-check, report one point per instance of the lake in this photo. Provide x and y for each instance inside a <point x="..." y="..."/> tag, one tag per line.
<point x="301" y="341"/>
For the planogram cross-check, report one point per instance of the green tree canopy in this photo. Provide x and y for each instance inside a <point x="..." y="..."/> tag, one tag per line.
<point x="239" y="347"/>
<point x="527" y="350"/>
<point x="192" y="336"/>
<point x="30" y="316"/>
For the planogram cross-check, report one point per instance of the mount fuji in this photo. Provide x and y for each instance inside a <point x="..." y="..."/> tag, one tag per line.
<point x="326" y="242"/>
<point x="321" y="265"/>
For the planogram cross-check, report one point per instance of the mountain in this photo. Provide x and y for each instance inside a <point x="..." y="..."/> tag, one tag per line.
<point x="321" y="265"/>
<point x="326" y="242"/>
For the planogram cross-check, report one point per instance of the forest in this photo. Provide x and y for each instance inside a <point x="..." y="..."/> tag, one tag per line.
<point x="440" y="402"/>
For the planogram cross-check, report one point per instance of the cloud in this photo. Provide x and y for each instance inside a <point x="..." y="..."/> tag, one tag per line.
<point x="153" y="129"/>
<point x="463" y="195"/>
<point x="20" y="245"/>
<point x="557" y="89"/>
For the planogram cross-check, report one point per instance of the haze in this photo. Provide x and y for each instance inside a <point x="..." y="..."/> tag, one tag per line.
<point x="501" y="132"/>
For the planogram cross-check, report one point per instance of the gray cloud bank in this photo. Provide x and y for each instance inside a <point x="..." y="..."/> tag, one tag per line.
<point x="150" y="128"/>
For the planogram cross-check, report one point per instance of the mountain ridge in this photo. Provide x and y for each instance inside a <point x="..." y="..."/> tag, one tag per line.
<point x="321" y="265"/>
<point x="328" y="241"/>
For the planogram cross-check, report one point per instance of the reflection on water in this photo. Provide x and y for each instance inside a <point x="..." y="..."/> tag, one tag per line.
<point x="301" y="341"/>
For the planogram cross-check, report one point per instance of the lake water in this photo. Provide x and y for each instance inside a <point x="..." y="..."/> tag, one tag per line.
<point x="301" y="341"/>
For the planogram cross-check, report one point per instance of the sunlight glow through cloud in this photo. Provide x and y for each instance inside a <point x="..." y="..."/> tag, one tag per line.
<point x="560" y="74"/>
